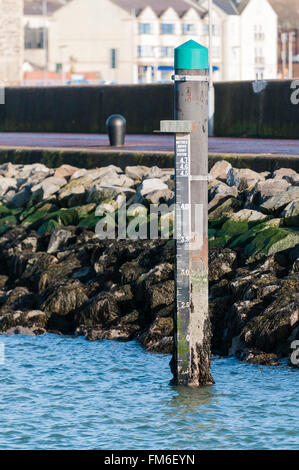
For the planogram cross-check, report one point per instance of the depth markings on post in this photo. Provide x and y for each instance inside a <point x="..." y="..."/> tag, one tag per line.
<point x="183" y="234"/>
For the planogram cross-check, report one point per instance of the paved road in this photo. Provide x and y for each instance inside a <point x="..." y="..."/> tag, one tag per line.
<point x="147" y="143"/>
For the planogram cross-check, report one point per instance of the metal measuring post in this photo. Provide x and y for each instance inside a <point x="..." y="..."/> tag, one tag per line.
<point x="191" y="359"/>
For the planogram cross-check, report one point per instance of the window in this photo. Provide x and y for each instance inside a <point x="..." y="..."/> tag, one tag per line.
<point x="189" y="29"/>
<point x="146" y="51"/>
<point x="145" y="28"/>
<point x="113" y="58"/>
<point x="215" y="29"/>
<point x="259" y="56"/>
<point x="167" y="51"/>
<point x="206" y="29"/>
<point x="34" y="38"/>
<point x="167" y="28"/>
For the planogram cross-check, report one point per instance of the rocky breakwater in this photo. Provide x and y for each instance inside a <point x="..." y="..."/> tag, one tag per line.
<point x="57" y="275"/>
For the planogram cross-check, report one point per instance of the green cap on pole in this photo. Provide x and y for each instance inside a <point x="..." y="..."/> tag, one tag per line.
<point x="191" y="56"/>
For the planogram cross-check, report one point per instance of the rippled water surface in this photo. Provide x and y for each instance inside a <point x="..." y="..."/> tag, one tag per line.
<point x="65" y="393"/>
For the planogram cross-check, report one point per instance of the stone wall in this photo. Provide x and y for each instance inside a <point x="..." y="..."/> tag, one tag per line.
<point x="11" y="41"/>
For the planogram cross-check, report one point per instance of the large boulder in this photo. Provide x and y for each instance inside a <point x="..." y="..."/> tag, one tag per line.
<point x="264" y="190"/>
<point x="65" y="171"/>
<point x="244" y="179"/>
<point x="64" y="299"/>
<point x="241" y="221"/>
<point x="291" y="214"/>
<point x="221" y="191"/>
<point x="33" y="322"/>
<point x="136" y="172"/>
<point x="220" y="170"/>
<point x="7" y="184"/>
<point x="270" y="332"/>
<point x="58" y="239"/>
<point x="221" y="263"/>
<point x="47" y="188"/>
<point x="283" y="173"/>
<point x="100" y="310"/>
<point x="159" y="336"/>
<point x="275" y="204"/>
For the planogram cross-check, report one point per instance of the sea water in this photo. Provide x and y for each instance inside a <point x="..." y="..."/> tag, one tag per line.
<point x="59" y="392"/>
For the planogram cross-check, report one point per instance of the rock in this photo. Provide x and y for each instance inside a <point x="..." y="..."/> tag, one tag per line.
<point x="25" y="330"/>
<point x="47" y="188"/>
<point x="39" y="215"/>
<point x="116" y="180"/>
<point x="258" y="357"/>
<point x="164" y="346"/>
<point x="21" y="198"/>
<point x="248" y="216"/>
<point x="220" y="170"/>
<point x="98" y="194"/>
<point x="270" y="332"/>
<point x="72" y="197"/>
<point x="8" y="197"/>
<point x="291" y="214"/>
<point x="221" y="191"/>
<point x="221" y="263"/>
<point x="79" y="173"/>
<point x="161" y="295"/>
<point x="32" y="267"/>
<point x="26" y="171"/>
<point x="160" y="197"/>
<point x="161" y="272"/>
<point x="153" y="173"/>
<point x="293" y="179"/>
<point x="242" y="221"/>
<point x="283" y="173"/>
<point x="8" y="170"/>
<point x="150" y="185"/>
<point x="136" y="172"/>
<point x="270" y="240"/>
<point x="6" y="184"/>
<point x="58" y="239"/>
<point x="295" y="267"/>
<point x="19" y="298"/>
<point x="221" y="209"/>
<point x="65" y="171"/>
<point x="64" y="299"/>
<point x="131" y="271"/>
<point x="118" y="333"/>
<point x="32" y="322"/>
<point x="274" y="205"/>
<point x="244" y="179"/>
<point x="99" y="310"/>
<point x="160" y="328"/>
<point x="264" y="190"/>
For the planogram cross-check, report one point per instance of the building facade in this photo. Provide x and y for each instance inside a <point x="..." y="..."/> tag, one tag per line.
<point x="126" y="41"/>
<point x="133" y="41"/>
<point x="244" y="40"/>
<point x="288" y="37"/>
<point x="11" y="42"/>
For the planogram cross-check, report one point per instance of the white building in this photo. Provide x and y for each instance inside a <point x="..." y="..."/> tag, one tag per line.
<point x="36" y="24"/>
<point x="132" y="41"/>
<point x="245" y="45"/>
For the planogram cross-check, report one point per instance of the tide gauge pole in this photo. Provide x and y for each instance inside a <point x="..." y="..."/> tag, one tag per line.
<point x="191" y="357"/>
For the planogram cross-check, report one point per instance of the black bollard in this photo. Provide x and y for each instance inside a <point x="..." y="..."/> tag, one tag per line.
<point x="116" y="125"/>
